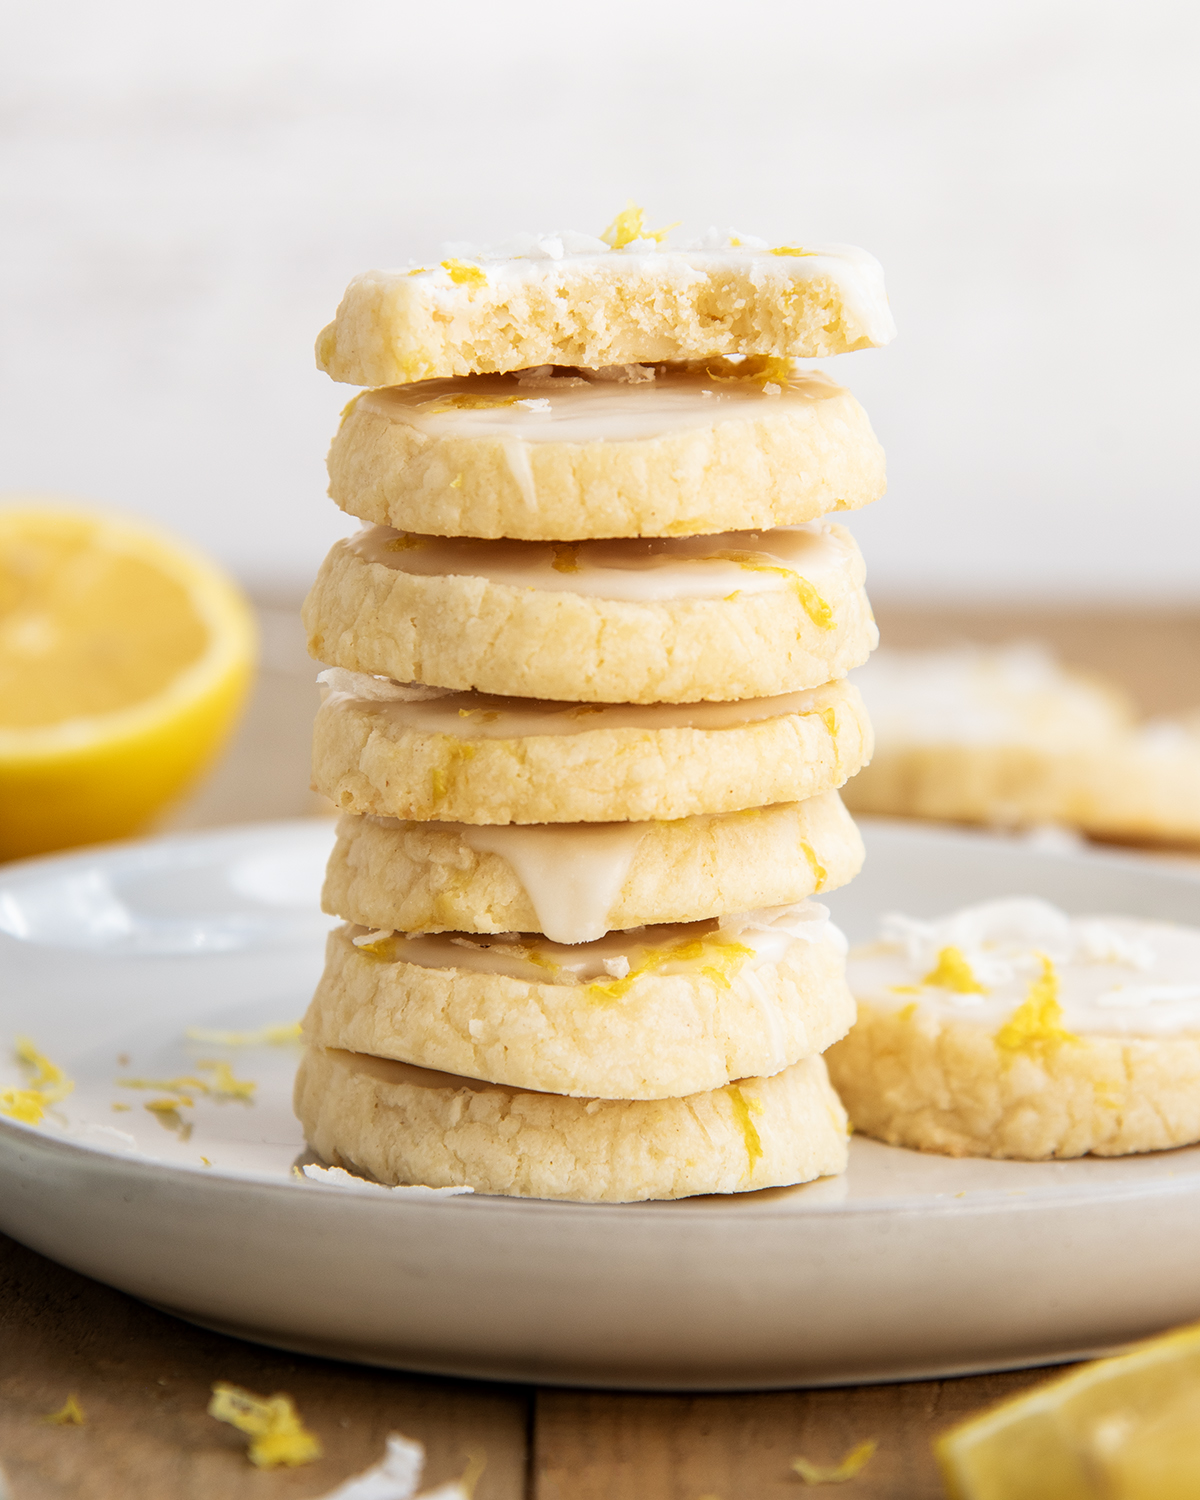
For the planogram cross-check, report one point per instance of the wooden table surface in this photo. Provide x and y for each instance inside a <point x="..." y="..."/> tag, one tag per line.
<point x="143" y="1378"/>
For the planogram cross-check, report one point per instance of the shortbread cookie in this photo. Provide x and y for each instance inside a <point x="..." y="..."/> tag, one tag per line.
<point x="576" y="881"/>
<point x="1007" y="736"/>
<point x="571" y="300"/>
<point x="467" y="758"/>
<point x="559" y="457"/>
<point x="403" y="1124"/>
<point x="672" y="620"/>
<point x="662" y="1012"/>
<point x="1013" y="1030"/>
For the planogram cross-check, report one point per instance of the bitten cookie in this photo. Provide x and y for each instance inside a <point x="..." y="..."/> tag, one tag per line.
<point x="410" y="1125"/>
<point x="555" y="456"/>
<point x="1011" y="1030"/>
<point x="576" y="881"/>
<point x="664" y="1012"/>
<point x="466" y="758"/>
<point x="570" y="299"/>
<point x="677" y="620"/>
<point x="1009" y="737"/>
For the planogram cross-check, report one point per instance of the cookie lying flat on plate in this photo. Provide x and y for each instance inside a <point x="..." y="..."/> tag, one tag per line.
<point x="571" y="300"/>
<point x="662" y="1012"/>
<point x="467" y="758"/>
<point x="576" y="881"/>
<point x="1005" y="735"/>
<point x="404" y="1125"/>
<point x="559" y="457"/>
<point x="1011" y="1030"/>
<point x="668" y="620"/>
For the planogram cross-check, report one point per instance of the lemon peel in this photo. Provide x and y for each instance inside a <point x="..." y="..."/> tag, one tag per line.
<point x="566" y="558"/>
<point x="813" y="605"/>
<point x="727" y="956"/>
<point x="183" y="1085"/>
<point x="1036" y="1024"/>
<point x="70" y="1414"/>
<point x="463" y="273"/>
<point x="953" y="972"/>
<point x="792" y="250"/>
<point x="630" y="225"/>
<point x="272" y="1036"/>
<point x="854" y="1463"/>
<point x="278" y="1437"/>
<point x="814" y="864"/>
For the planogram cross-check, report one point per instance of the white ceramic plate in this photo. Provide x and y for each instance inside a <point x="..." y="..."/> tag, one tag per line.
<point x="907" y="1266"/>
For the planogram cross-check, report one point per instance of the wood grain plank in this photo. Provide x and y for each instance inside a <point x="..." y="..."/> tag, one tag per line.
<point x="591" y="1445"/>
<point x="143" y="1380"/>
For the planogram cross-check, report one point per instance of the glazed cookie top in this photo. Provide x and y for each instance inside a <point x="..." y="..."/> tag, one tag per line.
<point x="634" y="569"/>
<point x="611" y="963"/>
<point x="572" y="299"/>
<point x="618" y="404"/>
<point x="469" y="716"/>
<point x="979" y="695"/>
<point x="1034" y="975"/>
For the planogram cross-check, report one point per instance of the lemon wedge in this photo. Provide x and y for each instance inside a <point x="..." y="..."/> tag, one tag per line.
<point x="124" y="660"/>
<point x="1121" y="1429"/>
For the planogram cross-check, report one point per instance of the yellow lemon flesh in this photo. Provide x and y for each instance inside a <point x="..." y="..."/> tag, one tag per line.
<point x="124" y="660"/>
<point x="1123" y="1429"/>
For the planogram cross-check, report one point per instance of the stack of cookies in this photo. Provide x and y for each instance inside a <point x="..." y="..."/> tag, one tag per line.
<point x="586" y="714"/>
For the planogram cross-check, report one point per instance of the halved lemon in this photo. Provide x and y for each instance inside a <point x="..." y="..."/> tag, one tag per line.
<point x="125" y="657"/>
<point x="1126" y="1428"/>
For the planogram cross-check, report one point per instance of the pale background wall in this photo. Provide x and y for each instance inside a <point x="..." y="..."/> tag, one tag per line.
<point x="188" y="188"/>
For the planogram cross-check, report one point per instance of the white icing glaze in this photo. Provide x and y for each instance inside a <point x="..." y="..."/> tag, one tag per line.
<point x="469" y="716"/>
<point x="636" y="569"/>
<point x="856" y="274"/>
<point x="536" y="959"/>
<point x="1117" y="976"/>
<point x="570" y="409"/>
<point x="571" y="872"/>
<point x="976" y="695"/>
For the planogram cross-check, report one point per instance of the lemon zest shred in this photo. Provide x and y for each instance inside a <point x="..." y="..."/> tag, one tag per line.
<point x="630" y="225"/>
<point x="905" y="989"/>
<point x="120" y="1108"/>
<point x="853" y="1463"/>
<point x="25" y="1105"/>
<point x="439" y="778"/>
<point x="70" y="1414"/>
<point x="168" y="1106"/>
<point x="744" y="1106"/>
<point x="465" y="401"/>
<point x="463" y="273"/>
<point x="47" y="1084"/>
<point x="793" y="250"/>
<point x="272" y="1036"/>
<point x="224" y="1085"/>
<point x="404" y="543"/>
<point x="272" y="1423"/>
<point x="763" y="369"/>
<point x="1036" y="1024"/>
<point x="819" y="871"/>
<point x="727" y="955"/>
<point x="566" y="558"/>
<point x="456" y="482"/>
<point x="418" y="271"/>
<point x="181" y="1085"/>
<point x="953" y="972"/>
<point x="817" y="610"/>
<point x="909" y="1010"/>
